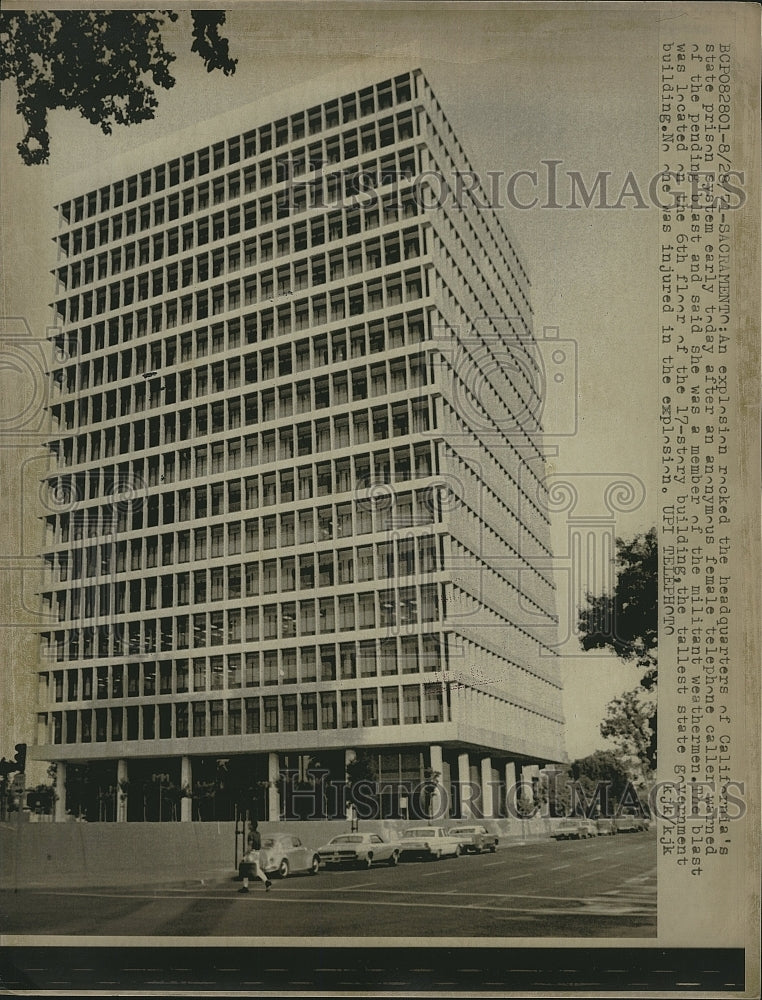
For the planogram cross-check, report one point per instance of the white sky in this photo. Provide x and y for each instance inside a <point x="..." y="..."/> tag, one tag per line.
<point x="519" y="86"/>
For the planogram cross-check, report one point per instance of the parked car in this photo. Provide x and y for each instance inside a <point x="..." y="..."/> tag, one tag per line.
<point x="474" y="839"/>
<point x="359" y="848"/>
<point x="428" y="842"/>
<point x="588" y="828"/>
<point x="630" y="821"/>
<point x="574" y="828"/>
<point x="282" y="854"/>
<point x="605" y="825"/>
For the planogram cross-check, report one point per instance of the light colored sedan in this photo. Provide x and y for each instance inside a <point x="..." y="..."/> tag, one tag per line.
<point x="474" y="838"/>
<point x="283" y="854"/>
<point x="363" y="849"/>
<point x="574" y="828"/>
<point x="429" y="842"/>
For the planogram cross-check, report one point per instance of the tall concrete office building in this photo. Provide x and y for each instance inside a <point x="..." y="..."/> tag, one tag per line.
<point x="296" y="509"/>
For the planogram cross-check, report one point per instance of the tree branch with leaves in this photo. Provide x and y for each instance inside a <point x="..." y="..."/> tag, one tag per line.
<point x="104" y="64"/>
<point x="626" y="621"/>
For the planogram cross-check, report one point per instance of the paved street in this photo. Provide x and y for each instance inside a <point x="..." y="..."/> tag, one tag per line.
<point x="590" y="888"/>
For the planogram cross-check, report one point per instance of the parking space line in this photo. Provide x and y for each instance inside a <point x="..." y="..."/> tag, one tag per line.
<point x="559" y="867"/>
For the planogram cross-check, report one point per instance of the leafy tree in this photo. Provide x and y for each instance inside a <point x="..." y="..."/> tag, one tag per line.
<point x="598" y="768"/>
<point x="553" y="794"/>
<point x="362" y="768"/>
<point x="104" y="64"/>
<point x="362" y="779"/>
<point x="628" y="724"/>
<point x="526" y="804"/>
<point x="626" y="622"/>
<point x="567" y="789"/>
<point x="80" y="792"/>
<point x="41" y="798"/>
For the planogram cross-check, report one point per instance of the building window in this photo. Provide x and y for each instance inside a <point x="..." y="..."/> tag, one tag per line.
<point x="289" y="713"/>
<point x="411" y="703"/>
<point x="234" y="671"/>
<point x="309" y="711"/>
<point x="271" y="714"/>
<point x="390" y="706"/>
<point x="252" y="715"/>
<point x="349" y="709"/>
<point x="234" y="717"/>
<point x="199" y="674"/>
<point x="433" y="703"/>
<point x="328" y="710"/>
<point x="216" y="719"/>
<point x="181" y="720"/>
<point x="199" y="718"/>
<point x="308" y="662"/>
<point x="369" y="707"/>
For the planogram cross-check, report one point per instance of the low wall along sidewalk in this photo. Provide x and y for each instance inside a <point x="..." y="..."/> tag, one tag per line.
<point x="73" y="853"/>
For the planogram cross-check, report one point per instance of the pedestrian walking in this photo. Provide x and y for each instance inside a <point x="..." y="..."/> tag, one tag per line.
<point x="252" y="865"/>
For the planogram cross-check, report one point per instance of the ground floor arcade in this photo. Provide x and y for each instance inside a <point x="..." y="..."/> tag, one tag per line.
<point x="407" y="782"/>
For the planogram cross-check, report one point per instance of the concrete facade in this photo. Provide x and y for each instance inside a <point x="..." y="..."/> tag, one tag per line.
<point x="298" y="506"/>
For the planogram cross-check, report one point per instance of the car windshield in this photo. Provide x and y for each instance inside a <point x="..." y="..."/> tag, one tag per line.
<point x="464" y="829"/>
<point x="347" y="840"/>
<point x="268" y="842"/>
<point x="419" y="833"/>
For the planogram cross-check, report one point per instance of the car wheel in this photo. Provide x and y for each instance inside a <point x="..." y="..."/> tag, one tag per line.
<point x="394" y="859"/>
<point x="283" y="868"/>
<point x="315" y="866"/>
<point x="492" y="848"/>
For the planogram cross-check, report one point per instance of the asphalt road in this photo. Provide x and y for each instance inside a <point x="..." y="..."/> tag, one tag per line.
<point x="604" y="887"/>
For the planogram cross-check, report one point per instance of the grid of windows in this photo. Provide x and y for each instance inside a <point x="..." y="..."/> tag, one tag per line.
<point x="248" y="532"/>
<point x="349" y="708"/>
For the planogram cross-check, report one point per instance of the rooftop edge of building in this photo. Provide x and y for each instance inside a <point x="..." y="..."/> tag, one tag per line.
<point x="281" y="103"/>
<point x="207" y="131"/>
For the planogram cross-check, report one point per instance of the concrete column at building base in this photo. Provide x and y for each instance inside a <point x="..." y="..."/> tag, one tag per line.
<point x="438" y="805"/>
<point x="122" y="790"/>
<point x="186" y="781"/>
<point x="60" y="807"/>
<point x="464" y="786"/>
<point x="527" y="780"/>
<point x="486" y="783"/>
<point x="510" y="786"/>
<point x="273" y="796"/>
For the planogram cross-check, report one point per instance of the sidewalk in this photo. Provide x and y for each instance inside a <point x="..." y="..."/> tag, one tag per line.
<point x="39" y="855"/>
<point x="121" y="879"/>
